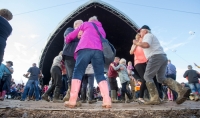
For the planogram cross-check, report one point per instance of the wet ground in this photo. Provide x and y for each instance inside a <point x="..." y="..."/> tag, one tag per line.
<point x="43" y="109"/>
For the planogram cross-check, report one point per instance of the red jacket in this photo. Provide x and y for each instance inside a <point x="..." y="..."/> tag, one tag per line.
<point x="111" y="72"/>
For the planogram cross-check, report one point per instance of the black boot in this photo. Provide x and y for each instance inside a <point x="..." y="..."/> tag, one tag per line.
<point x="83" y="95"/>
<point x="47" y="93"/>
<point x="130" y="97"/>
<point x="56" y="95"/>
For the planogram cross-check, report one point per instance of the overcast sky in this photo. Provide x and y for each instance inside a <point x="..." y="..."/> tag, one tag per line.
<point x="171" y="21"/>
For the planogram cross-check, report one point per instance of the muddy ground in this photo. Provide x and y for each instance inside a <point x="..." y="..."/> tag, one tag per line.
<point x="42" y="109"/>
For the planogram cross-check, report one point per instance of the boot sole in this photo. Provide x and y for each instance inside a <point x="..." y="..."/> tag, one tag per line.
<point x="184" y="98"/>
<point x="106" y="106"/>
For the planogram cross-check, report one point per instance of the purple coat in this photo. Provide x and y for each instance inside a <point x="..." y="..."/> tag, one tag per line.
<point x="89" y="39"/>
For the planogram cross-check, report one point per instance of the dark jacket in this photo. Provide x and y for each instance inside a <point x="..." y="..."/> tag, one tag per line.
<point x="192" y="76"/>
<point x="69" y="48"/>
<point x="5" y="29"/>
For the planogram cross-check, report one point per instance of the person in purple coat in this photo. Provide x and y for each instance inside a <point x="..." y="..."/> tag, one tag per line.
<point x="89" y="49"/>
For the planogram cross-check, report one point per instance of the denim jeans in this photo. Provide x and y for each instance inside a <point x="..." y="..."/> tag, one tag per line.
<point x="31" y="90"/>
<point x="65" y="84"/>
<point x="88" y="79"/>
<point x="84" y="57"/>
<point x="28" y="86"/>
<point x="195" y="87"/>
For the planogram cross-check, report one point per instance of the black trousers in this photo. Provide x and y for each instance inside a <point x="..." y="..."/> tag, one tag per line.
<point x="69" y="64"/>
<point x="2" y="47"/>
<point x="56" y="75"/>
<point x="113" y="83"/>
<point x="140" y="68"/>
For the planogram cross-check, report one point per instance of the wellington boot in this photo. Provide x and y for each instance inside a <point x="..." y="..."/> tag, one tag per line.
<point x="45" y="97"/>
<point x="75" y="87"/>
<point x="113" y="96"/>
<point x="103" y="85"/>
<point x="67" y="96"/>
<point x="153" y="92"/>
<point x="183" y="92"/>
<point x="56" y="95"/>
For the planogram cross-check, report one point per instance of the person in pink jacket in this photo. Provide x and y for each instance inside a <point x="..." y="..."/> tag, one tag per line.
<point x="88" y="50"/>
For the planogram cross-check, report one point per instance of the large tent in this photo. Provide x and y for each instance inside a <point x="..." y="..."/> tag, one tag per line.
<point x="120" y="31"/>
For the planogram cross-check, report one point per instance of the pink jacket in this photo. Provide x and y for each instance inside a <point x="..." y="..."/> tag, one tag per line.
<point x="89" y="39"/>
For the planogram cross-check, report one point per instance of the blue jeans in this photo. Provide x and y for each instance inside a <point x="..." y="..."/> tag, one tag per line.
<point x="31" y="90"/>
<point x="84" y="57"/>
<point x="195" y="87"/>
<point x="28" y="87"/>
<point x="65" y="84"/>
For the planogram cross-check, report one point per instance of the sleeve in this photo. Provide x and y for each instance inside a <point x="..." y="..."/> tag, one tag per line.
<point x="117" y="68"/>
<point x="185" y="74"/>
<point x="67" y="31"/>
<point x="71" y="36"/>
<point x="29" y="70"/>
<point x="148" y="39"/>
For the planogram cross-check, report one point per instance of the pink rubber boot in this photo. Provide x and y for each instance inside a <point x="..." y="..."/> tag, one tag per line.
<point x="103" y="85"/>
<point x="3" y="95"/>
<point x="75" y="87"/>
<point x="172" y="97"/>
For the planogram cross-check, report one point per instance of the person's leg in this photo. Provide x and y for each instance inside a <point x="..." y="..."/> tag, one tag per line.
<point x="31" y="91"/>
<point x="98" y="66"/>
<point x="192" y="87"/>
<point x="154" y="65"/>
<point x="183" y="93"/>
<point x="123" y="92"/>
<point x="69" y="64"/>
<point x="83" y="58"/>
<point x="36" y="89"/>
<point x="83" y="88"/>
<point x="27" y="87"/>
<point x="91" y="89"/>
<point x="114" y="88"/>
<point x="57" y="77"/>
<point x="140" y="68"/>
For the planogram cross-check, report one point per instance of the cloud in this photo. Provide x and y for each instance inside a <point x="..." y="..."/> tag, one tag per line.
<point x="174" y="46"/>
<point x="19" y="46"/>
<point x="33" y="36"/>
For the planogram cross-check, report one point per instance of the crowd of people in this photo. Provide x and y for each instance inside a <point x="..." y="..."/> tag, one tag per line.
<point x="148" y="81"/>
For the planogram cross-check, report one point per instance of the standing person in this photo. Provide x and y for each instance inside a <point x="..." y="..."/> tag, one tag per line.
<point x="5" y="30"/>
<point x="5" y="78"/>
<point x="56" y="75"/>
<point x="89" y="49"/>
<point x="192" y="76"/>
<point x="34" y="73"/>
<point x="64" y="78"/>
<point x="112" y="75"/>
<point x="156" y="65"/>
<point x="132" y="79"/>
<point x="88" y="79"/>
<point x="68" y="52"/>
<point x="140" y="63"/>
<point x="124" y="79"/>
<point x="171" y="73"/>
